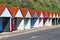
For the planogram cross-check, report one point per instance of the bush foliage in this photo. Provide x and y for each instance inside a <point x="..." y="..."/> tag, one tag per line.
<point x="48" y="5"/>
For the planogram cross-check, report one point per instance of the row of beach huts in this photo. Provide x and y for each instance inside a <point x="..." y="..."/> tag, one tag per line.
<point x="14" y="18"/>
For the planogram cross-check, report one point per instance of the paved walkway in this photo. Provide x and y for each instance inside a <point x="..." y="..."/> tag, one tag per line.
<point x="49" y="34"/>
<point x="17" y="32"/>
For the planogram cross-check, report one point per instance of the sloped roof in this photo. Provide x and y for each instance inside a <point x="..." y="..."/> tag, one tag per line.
<point x="2" y="9"/>
<point x="53" y="13"/>
<point x="28" y="15"/>
<point x="13" y="10"/>
<point x="58" y="14"/>
<point x="6" y="13"/>
<point x="48" y="14"/>
<point x="38" y="13"/>
<point x="45" y="13"/>
<point x="32" y="12"/>
<point x="24" y="11"/>
<point x="18" y="14"/>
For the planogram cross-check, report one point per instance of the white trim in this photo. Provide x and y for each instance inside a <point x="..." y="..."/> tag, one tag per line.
<point x="18" y="14"/>
<point x="41" y="15"/>
<point x="28" y="15"/>
<point x="50" y="15"/>
<point x="10" y="25"/>
<point x="54" y="16"/>
<point x="57" y="16"/>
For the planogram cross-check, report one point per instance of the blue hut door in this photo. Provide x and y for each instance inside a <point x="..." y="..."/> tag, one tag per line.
<point x="1" y="29"/>
<point x="34" y="19"/>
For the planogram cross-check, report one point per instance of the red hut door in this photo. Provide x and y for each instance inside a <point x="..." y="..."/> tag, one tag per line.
<point x="13" y="24"/>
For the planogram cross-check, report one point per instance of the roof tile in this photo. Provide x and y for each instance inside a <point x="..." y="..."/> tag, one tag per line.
<point x="38" y="12"/>
<point x="32" y="12"/>
<point x="49" y="14"/>
<point x="13" y="10"/>
<point x="45" y="13"/>
<point x="2" y="9"/>
<point x="24" y="11"/>
<point x="58" y="14"/>
<point x="53" y="13"/>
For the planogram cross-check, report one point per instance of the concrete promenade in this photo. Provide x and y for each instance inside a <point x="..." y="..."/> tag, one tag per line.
<point x="21" y="32"/>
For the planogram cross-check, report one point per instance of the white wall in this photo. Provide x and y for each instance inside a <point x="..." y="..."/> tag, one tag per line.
<point x="28" y="24"/>
<point x="41" y="23"/>
<point x="18" y="14"/>
<point x="6" y="13"/>
<point x="48" y="23"/>
<point x="36" y="23"/>
<point x="21" y="25"/>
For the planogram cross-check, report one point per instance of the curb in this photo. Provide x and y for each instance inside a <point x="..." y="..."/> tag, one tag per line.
<point x="17" y="32"/>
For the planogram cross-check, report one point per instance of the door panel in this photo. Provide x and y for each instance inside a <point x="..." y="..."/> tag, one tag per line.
<point x="6" y="24"/>
<point x="26" y="21"/>
<point x="33" y="20"/>
<point x="1" y="28"/>
<point x="44" y="20"/>
<point x="59" y="21"/>
<point x="18" y="22"/>
<point x="40" y="22"/>
<point x="53" y="21"/>
<point x="13" y="24"/>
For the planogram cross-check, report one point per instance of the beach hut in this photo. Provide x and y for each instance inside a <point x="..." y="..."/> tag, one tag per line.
<point x="13" y="11"/>
<point x="40" y="17"/>
<point x="1" y="10"/>
<point x="49" y="18"/>
<point x="34" y="19"/>
<point x="58" y="17"/>
<point x="6" y="20"/>
<point x="27" y="20"/>
<point x="20" y="19"/>
<point x="32" y="13"/>
<point x="53" y="18"/>
<point x="46" y="20"/>
<point x="24" y="12"/>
